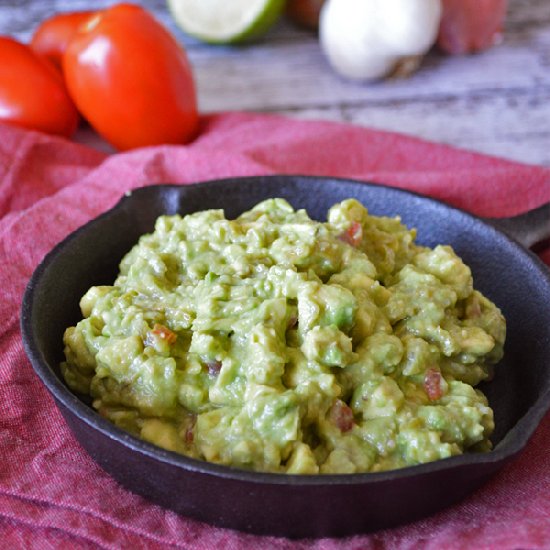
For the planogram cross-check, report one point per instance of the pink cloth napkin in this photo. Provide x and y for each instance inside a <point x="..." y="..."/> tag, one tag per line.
<point x="52" y="494"/>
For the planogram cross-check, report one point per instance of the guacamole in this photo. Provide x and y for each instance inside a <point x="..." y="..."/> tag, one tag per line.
<point x="276" y="343"/>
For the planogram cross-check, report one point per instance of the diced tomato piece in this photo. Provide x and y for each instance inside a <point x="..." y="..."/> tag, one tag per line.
<point x="353" y="234"/>
<point x="165" y="333"/>
<point x="214" y="367"/>
<point x="189" y="432"/>
<point x="432" y="384"/>
<point x="341" y="416"/>
<point x="189" y="435"/>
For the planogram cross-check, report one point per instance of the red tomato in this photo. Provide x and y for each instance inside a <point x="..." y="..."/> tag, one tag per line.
<point x="353" y="235"/>
<point x="165" y="333"/>
<point x="32" y="92"/>
<point x="341" y="415"/>
<point x="470" y="25"/>
<point x="432" y="384"/>
<point x="131" y="80"/>
<point x="305" y="12"/>
<point x="53" y="35"/>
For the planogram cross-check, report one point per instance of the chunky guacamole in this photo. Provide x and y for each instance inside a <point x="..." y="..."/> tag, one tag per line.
<point x="276" y="343"/>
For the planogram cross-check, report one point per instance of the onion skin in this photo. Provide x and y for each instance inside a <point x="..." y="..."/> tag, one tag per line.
<point x="305" y="12"/>
<point x="469" y="26"/>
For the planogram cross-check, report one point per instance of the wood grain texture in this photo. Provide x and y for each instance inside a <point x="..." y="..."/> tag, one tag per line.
<point x="496" y="102"/>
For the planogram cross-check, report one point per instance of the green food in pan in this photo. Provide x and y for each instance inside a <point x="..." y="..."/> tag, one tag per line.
<point x="277" y="343"/>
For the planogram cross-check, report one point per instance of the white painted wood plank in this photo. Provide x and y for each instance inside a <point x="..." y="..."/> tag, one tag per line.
<point x="298" y="75"/>
<point x="513" y="127"/>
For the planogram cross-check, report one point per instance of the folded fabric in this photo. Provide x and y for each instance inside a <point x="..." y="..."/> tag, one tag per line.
<point x="52" y="493"/>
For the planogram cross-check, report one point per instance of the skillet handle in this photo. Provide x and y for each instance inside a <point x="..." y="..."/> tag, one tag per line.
<point x="529" y="228"/>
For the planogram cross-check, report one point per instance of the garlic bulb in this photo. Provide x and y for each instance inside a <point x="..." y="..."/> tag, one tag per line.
<point x="366" y="39"/>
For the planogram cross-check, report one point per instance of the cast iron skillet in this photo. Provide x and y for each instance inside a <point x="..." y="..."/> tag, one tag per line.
<point x="302" y="506"/>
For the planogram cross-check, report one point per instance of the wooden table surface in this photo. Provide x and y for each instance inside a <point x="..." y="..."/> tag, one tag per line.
<point x="497" y="102"/>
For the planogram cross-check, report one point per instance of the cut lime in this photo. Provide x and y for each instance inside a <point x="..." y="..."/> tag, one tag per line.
<point x="225" y="21"/>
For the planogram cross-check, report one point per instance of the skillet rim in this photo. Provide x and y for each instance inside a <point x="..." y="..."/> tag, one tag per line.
<point x="505" y="450"/>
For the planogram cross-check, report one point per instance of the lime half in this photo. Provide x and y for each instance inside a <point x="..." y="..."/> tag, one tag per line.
<point x="225" y="21"/>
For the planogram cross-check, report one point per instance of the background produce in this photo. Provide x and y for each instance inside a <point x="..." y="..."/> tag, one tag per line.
<point x="366" y="39"/>
<point x="226" y="22"/>
<point x="131" y="79"/>
<point x="471" y="25"/>
<point x="304" y="12"/>
<point x="152" y="99"/>
<point x="32" y="92"/>
<point x="53" y="35"/>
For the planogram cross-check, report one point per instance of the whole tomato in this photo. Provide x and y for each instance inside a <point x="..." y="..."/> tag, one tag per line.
<point x="131" y="80"/>
<point x="305" y="12"/>
<point x="469" y="26"/>
<point x="53" y="35"/>
<point x="32" y="92"/>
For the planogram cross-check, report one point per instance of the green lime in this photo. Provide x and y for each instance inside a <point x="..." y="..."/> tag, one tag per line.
<point x="225" y="21"/>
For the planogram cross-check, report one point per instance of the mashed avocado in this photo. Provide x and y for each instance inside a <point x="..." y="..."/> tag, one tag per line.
<point x="276" y="343"/>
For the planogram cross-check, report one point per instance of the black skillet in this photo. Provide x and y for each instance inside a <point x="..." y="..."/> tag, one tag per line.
<point x="302" y="506"/>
